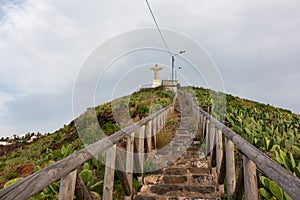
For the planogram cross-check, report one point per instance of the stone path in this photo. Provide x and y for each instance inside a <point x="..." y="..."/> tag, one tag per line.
<point x="185" y="174"/>
<point x="188" y="178"/>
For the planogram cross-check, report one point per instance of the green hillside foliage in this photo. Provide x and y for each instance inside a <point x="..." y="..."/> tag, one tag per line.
<point x="274" y="131"/>
<point x="28" y="158"/>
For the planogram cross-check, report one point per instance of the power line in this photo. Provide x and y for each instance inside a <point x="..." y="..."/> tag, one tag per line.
<point x="160" y="33"/>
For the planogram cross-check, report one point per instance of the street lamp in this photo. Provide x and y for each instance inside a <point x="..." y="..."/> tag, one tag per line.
<point x="176" y="72"/>
<point x="173" y="61"/>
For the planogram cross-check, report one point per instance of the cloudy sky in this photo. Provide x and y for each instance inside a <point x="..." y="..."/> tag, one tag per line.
<point x="45" y="43"/>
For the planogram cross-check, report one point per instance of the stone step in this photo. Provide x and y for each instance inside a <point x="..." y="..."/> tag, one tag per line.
<point x="179" y="150"/>
<point x="151" y="197"/>
<point x="171" y="150"/>
<point x="184" y="179"/>
<point x="193" y="148"/>
<point x="181" y="171"/>
<point x="192" y="162"/>
<point x="189" y="131"/>
<point x="178" y="190"/>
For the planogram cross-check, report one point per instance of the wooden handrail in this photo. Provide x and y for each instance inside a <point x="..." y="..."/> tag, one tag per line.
<point x="211" y="129"/>
<point x="34" y="183"/>
<point x="252" y="156"/>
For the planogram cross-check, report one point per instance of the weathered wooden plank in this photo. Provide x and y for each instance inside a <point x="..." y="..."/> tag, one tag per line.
<point x="163" y="119"/>
<point x="137" y="162"/>
<point x="158" y="123"/>
<point x="239" y="187"/>
<point x="36" y="182"/>
<point x="154" y="133"/>
<point x="230" y="167"/>
<point x="81" y="192"/>
<point x="203" y="128"/>
<point x="67" y="186"/>
<point x="207" y="133"/>
<point x="129" y="163"/>
<point x="109" y="173"/>
<point x="141" y="150"/>
<point x="250" y="179"/>
<point x="287" y="181"/>
<point x="200" y="131"/>
<point x="222" y="175"/>
<point x="213" y="158"/>
<point x="149" y="136"/>
<point x="212" y="137"/>
<point x="165" y="114"/>
<point x="213" y="147"/>
<point x="219" y="156"/>
<point x="121" y="172"/>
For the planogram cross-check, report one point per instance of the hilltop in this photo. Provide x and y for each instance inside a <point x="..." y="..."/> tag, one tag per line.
<point x="274" y="131"/>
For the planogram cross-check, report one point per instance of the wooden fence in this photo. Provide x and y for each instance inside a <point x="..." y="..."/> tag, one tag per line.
<point x="66" y="169"/>
<point x="221" y="157"/>
<point x="222" y="160"/>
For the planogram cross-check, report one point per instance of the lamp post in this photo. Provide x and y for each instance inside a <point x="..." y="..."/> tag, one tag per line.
<point x="173" y="61"/>
<point x="176" y="72"/>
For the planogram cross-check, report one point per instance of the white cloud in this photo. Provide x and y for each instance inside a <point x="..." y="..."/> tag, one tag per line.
<point x="43" y="44"/>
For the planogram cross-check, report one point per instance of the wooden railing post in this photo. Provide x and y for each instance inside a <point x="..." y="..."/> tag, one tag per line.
<point x="207" y="137"/>
<point x="239" y="185"/>
<point x="159" y="125"/>
<point x="109" y="173"/>
<point x="154" y="132"/>
<point x="129" y="162"/>
<point x="219" y="156"/>
<point x="81" y="192"/>
<point x="230" y="167"/>
<point x="203" y="128"/>
<point x="141" y="151"/>
<point x="162" y="119"/>
<point x="212" y="149"/>
<point x="67" y="186"/>
<point x="149" y="136"/>
<point x="250" y="179"/>
<point x="165" y="118"/>
<point x="212" y="138"/>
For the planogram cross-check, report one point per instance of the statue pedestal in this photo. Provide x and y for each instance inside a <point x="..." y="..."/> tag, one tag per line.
<point x="156" y="83"/>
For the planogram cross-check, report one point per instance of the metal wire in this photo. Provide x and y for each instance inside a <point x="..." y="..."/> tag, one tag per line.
<point x="157" y="26"/>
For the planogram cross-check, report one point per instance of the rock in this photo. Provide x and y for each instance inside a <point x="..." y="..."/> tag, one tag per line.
<point x="174" y="179"/>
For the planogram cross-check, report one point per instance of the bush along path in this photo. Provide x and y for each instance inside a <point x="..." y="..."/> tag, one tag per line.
<point x="186" y="173"/>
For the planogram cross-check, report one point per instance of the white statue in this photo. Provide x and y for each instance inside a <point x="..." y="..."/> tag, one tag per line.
<point x="156" y="69"/>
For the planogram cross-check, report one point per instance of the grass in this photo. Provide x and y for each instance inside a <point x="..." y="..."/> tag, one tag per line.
<point x="50" y="148"/>
<point x="168" y="132"/>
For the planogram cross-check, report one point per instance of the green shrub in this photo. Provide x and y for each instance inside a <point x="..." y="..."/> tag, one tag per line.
<point x="10" y="175"/>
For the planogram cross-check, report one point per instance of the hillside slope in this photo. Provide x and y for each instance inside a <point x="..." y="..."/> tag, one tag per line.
<point x="22" y="159"/>
<point x="274" y="131"/>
